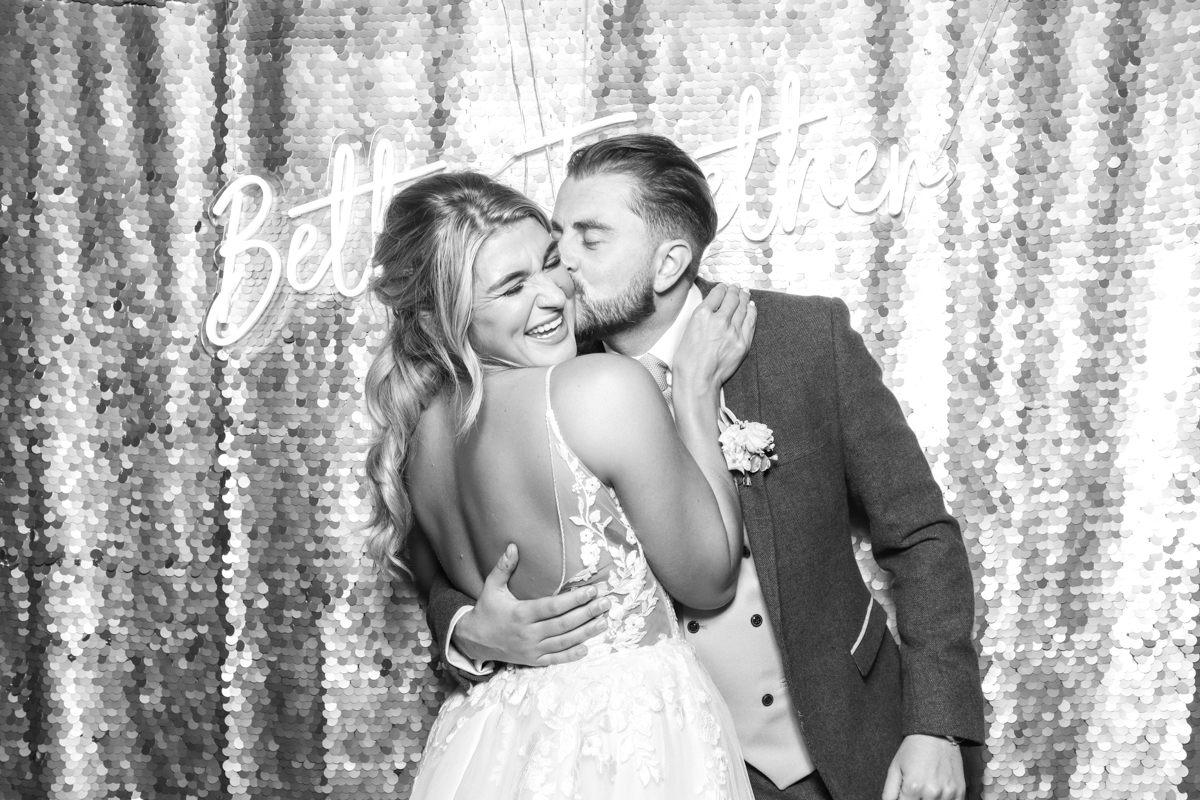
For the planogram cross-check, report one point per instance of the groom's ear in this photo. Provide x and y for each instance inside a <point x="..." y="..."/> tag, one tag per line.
<point x="671" y="260"/>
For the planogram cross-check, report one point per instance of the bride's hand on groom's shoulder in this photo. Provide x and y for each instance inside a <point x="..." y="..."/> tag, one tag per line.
<point x="716" y="339"/>
<point x="536" y="633"/>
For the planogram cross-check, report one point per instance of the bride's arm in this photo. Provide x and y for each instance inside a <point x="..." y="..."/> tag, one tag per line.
<point x="613" y="416"/>
<point x="715" y="341"/>
<point x="671" y="478"/>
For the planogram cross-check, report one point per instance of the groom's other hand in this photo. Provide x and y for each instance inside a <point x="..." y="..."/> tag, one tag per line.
<point x="926" y="768"/>
<point x="534" y="633"/>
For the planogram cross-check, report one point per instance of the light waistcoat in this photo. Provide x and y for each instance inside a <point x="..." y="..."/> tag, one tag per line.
<point x="738" y="647"/>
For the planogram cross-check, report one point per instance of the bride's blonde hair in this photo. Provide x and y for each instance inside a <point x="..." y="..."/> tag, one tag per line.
<point x="425" y="257"/>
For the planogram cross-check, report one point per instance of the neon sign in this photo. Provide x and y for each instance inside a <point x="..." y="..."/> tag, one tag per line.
<point x="791" y="177"/>
<point x="245" y="232"/>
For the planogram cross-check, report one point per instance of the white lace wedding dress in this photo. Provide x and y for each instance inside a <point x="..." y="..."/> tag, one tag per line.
<point x="637" y="719"/>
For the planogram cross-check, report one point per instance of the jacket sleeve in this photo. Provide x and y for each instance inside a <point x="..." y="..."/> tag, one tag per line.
<point x="443" y="602"/>
<point x="915" y="539"/>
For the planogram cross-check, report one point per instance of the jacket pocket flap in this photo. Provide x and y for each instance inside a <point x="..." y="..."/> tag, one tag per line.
<point x="869" y="638"/>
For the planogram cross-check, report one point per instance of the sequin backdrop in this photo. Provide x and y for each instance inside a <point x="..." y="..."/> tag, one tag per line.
<point x="185" y="609"/>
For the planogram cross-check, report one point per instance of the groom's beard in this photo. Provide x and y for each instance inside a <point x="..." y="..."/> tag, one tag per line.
<point x="600" y="319"/>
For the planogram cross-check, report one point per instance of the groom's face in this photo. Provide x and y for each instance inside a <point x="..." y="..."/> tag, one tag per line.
<point x="608" y="249"/>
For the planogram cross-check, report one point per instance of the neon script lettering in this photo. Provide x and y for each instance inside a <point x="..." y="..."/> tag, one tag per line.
<point x="246" y="245"/>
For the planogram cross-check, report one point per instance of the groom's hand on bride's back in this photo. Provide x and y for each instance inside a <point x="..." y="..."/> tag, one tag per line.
<point x="537" y="633"/>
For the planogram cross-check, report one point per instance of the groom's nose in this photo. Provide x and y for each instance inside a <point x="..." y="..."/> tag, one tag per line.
<point x="566" y="255"/>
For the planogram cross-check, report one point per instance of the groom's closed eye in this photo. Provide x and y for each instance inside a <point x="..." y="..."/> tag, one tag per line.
<point x="588" y="226"/>
<point x="591" y="232"/>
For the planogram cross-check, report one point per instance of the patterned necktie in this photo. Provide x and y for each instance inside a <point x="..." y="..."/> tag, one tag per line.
<point x="658" y="370"/>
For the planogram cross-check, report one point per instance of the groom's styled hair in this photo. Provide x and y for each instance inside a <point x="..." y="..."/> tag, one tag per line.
<point x="672" y="196"/>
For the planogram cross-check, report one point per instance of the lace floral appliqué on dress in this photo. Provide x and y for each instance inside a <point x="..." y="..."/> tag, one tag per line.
<point x="637" y="718"/>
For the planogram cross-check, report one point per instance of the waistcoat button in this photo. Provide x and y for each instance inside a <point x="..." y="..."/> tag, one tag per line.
<point x="767" y="699"/>
<point x="693" y="626"/>
<point x="756" y="620"/>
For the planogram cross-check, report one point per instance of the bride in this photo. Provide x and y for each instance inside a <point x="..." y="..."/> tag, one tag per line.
<point x="491" y="431"/>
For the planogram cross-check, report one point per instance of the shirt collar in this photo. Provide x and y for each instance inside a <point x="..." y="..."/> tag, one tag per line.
<point x="668" y="344"/>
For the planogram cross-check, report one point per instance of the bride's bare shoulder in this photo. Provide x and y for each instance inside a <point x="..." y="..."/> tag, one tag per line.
<point x="601" y="390"/>
<point x="603" y="373"/>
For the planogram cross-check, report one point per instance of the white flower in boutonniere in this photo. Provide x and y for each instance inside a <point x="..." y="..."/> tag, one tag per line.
<point x="748" y="447"/>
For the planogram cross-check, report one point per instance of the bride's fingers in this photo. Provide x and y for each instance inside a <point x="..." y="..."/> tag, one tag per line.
<point x="749" y="322"/>
<point x="739" y="313"/>
<point x="730" y="301"/>
<point x="715" y="297"/>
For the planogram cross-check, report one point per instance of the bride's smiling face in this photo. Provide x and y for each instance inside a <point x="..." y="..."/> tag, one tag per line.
<point x="524" y="310"/>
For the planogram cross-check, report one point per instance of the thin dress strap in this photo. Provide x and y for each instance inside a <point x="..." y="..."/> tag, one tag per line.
<point x="551" y="431"/>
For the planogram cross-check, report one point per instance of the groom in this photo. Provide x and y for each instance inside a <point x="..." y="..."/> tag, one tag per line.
<point x="825" y="704"/>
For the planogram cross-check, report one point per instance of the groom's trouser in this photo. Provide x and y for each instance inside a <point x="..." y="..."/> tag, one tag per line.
<point x="809" y="788"/>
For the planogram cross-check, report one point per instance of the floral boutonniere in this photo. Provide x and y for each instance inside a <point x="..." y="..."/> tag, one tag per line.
<point x="748" y="447"/>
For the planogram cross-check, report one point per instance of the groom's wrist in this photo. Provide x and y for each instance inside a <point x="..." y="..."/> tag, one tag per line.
<point x="459" y="648"/>
<point x="957" y="741"/>
<point x="460" y="634"/>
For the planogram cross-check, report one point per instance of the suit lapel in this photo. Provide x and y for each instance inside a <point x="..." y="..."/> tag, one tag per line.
<point x="742" y="398"/>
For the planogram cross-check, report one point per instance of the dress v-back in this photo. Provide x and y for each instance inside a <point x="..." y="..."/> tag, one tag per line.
<point x="600" y="548"/>
<point x="637" y="717"/>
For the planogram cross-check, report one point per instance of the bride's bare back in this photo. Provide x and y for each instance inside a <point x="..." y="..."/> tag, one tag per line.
<point x="474" y="495"/>
<point x="636" y="717"/>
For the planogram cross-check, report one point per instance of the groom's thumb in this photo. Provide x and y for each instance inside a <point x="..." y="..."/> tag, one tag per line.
<point x="504" y="567"/>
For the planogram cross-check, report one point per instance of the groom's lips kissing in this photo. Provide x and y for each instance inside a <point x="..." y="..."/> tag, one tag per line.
<point x="552" y="331"/>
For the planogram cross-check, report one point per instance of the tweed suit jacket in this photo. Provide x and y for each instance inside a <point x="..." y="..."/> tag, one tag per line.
<point x="844" y="449"/>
